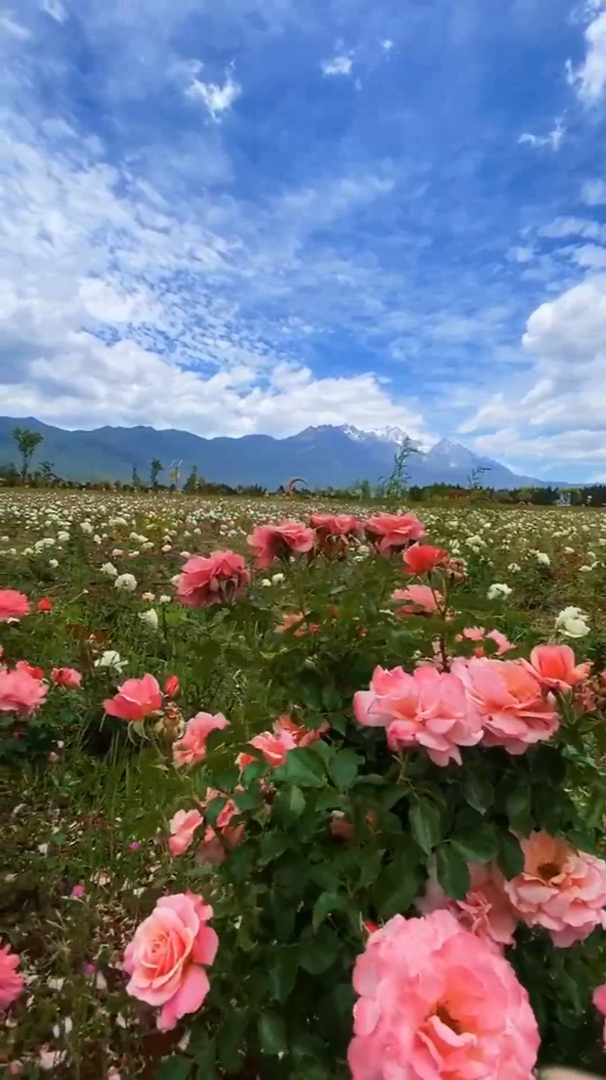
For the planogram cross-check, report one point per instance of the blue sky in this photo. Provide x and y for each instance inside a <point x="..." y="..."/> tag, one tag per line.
<point x="254" y="215"/>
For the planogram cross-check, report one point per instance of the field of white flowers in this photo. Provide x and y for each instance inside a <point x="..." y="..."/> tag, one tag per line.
<point x="300" y="790"/>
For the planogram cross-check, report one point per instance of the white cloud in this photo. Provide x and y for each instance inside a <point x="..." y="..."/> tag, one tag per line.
<point x="217" y="97"/>
<point x="521" y="254"/>
<point x="55" y="9"/>
<point x="14" y="29"/>
<point x="338" y="65"/>
<point x="590" y="256"/>
<point x="553" y="139"/>
<point x="593" y="192"/>
<point x="386" y="44"/>
<point x="589" y="79"/>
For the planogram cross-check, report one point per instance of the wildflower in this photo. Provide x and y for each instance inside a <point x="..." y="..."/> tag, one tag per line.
<point x="150" y="618"/>
<point x="126" y="582"/>
<point x="109" y="569"/>
<point x="498" y="591"/>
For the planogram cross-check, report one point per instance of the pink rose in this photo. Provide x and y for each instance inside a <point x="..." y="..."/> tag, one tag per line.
<point x="66" y="676"/>
<point x="333" y="531"/>
<point x="20" y="692"/>
<point x="303" y="736"/>
<point x="135" y="699"/>
<point x="423" y="558"/>
<point x="478" y="633"/>
<point x="560" y="888"/>
<point x="270" y="542"/>
<point x="183" y="827"/>
<point x="437" y="1001"/>
<point x="516" y="711"/>
<point x="392" y="532"/>
<point x="557" y="668"/>
<point x="167" y="957"/>
<point x="418" y="600"/>
<point x="427" y="709"/>
<point x="218" y="839"/>
<point x="218" y="578"/>
<point x="273" y="746"/>
<point x="191" y="749"/>
<point x="13" y="605"/>
<point x="296" y="622"/>
<point x="485" y="911"/>
<point x="11" y="983"/>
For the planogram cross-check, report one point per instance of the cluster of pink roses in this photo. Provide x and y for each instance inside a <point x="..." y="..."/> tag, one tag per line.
<point x="223" y="576"/>
<point x="508" y="703"/>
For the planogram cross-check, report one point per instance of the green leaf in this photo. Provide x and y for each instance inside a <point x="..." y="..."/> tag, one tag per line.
<point x="478" y="844"/>
<point x="283" y="971"/>
<point x="344" y="768"/>
<point x="214" y="808"/>
<point x="248" y="800"/>
<point x="302" y="767"/>
<point x="478" y="791"/>
<point x="174" y="1068"/>
<point x="272" y="1034"/>
<point x="510" y="856"/>
<point x="231" y="1039"/>
<point x="397" y="886"/>
<point x="452" y="871"/>
<point x="425" y="824"/>
<point x="326" y="903"/>
<point x="296" y="801"/>
<point x="318" y="950"/>
<point x="254" y="771"/>
<point x="518" y="810"/>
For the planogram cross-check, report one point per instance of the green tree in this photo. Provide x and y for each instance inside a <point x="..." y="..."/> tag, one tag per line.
<point x="192" y="483"/>
<point x="155" y="469"/>
<point x="26" y="441"/>
<point x="135" y="478"/>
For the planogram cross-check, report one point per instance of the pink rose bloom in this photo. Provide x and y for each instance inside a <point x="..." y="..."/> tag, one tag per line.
<point x="478" y="633"/>
<point x="270" y="542"/>
<point x="11" y="983"/>
<point x="557" y="668"/>
<point x="183" y="826"/>
<point x="302" y="735"/>
<point x="418" y="599"/>
<point x="516" y="712"/>
<point x="135" y="700"/>
<point x="191" y="749"/>
<point x="335" y="524"/>
<point x="437" y="1003"/>
<point x="223" y="835"/>
<point x="427" y="709"/>
<point x="167" y="957"/>
<point x="66" y="676"/>
<point x="213" y="579"/>
<point x="13" y="605"/>
<point x="20" y="692"/>
<point x="560" y="888"/>
<point x="273" y="746"/>
<point x="392" y="532"/>
<point x="485" y="911"/>
<point x="31" y="669"/>
<point x="296" y="622"/>
<point x="423" y="558"/>
<point x="599" y="1000"/>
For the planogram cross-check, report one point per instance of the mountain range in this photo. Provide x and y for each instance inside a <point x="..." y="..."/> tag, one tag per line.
<point x="324" y="456"/>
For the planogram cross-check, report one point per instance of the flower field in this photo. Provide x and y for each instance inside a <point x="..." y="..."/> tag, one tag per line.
<point x="300" y="791"/>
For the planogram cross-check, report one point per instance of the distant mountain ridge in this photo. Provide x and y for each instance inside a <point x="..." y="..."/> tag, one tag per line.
<point x="324" y="456"/>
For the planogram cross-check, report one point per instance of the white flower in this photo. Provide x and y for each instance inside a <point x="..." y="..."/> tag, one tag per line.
<point x="150" y="618"/>
<point x="53" y="563"/>
<point x="164" y="599"/>
<point x="513" y="568"/>
<point x="277" y="579"/>
<point x="571" y="622"/>
<point x="111" y="659"/>
<point x="86" y="527"/>
<point x="127" y="582"/>
<point x="149" y="596"/>
<point x="585" y="569"/>
<point x="498" y="590"/>
<point x="62" y="537"/>
<point x="109" y="569"/>
<point x="543" y="558"/>
<point x="266" y="583"/>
